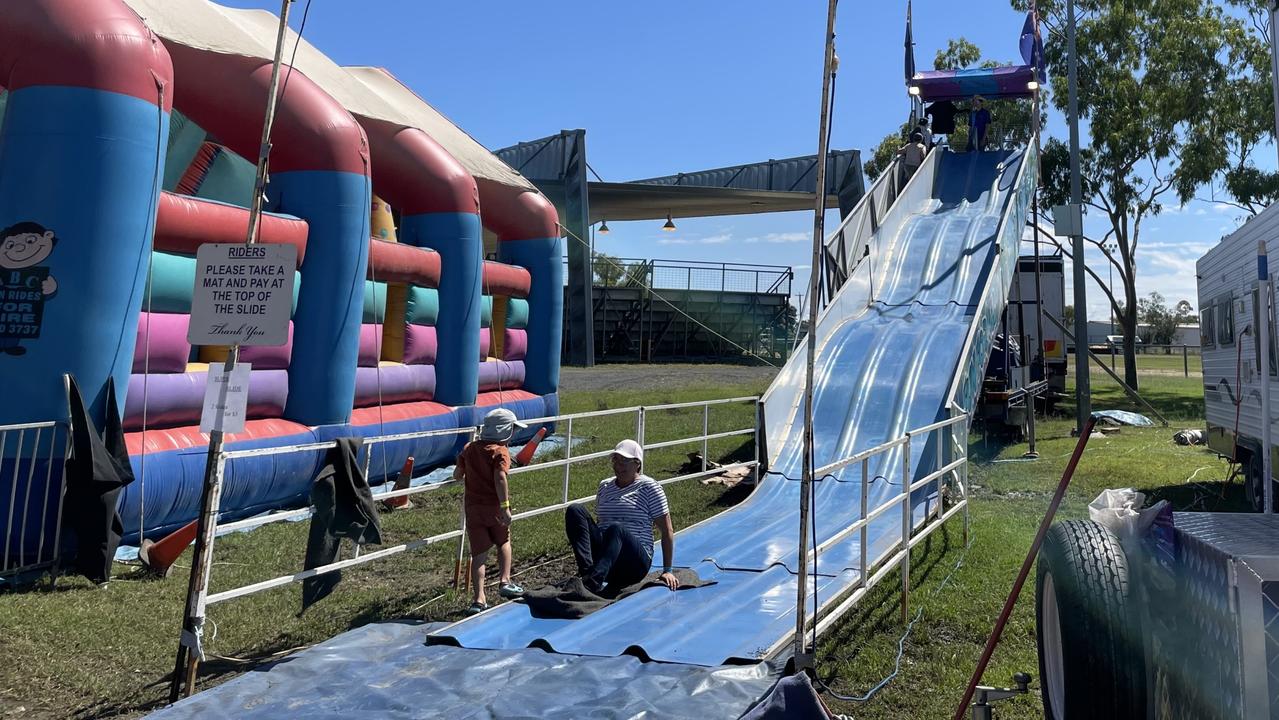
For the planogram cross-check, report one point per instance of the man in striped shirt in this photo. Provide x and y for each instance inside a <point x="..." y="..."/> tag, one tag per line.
<point x="618" y="550"/>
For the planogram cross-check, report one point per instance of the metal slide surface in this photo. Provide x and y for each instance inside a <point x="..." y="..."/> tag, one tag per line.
<point x="907" y="335"/>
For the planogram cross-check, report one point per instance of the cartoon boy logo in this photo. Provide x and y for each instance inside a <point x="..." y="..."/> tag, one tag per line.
<point x="25" y="284"/>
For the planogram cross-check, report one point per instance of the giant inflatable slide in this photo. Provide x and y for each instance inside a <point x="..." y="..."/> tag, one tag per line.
<point x="126" y="130"/>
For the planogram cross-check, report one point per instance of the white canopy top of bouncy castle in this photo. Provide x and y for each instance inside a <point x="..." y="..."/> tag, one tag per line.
<point x="371" y="92"/>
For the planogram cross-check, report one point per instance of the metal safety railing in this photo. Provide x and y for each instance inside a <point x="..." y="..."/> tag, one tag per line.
<point x="949" y="439"/>
<point x="640" y="413"/>
<point x="32" y="485"/>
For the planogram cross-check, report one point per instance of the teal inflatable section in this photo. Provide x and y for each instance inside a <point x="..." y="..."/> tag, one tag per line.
<point x="230" y="179"/>
<point x="185" y="139"/>
<point x="516" y="314"/>
<point x="486" y="311"/>
<point x="374" y="302"/>
<point x="422" y="306"/>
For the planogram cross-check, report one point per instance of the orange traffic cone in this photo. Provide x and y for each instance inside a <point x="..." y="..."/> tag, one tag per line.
<point x="158" y="557"/>
<point x="526" y="454"/>
<point x="401" y="483"/>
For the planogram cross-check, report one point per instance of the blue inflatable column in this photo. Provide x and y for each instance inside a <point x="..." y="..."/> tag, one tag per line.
<point x="457" y="238"/>
<point x="543" y="258"/>
<point x="82" y="151"/>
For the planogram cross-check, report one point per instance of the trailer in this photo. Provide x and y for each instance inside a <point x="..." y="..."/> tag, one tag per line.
<point x="1228" y="314"/>
<point x="1180" y="620"/>
<point x="1016" y="373"/>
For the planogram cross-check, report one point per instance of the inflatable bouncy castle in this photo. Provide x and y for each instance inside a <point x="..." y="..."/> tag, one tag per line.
<point x="126" y="130"/>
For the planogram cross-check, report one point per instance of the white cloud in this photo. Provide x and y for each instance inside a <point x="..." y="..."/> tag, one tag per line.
<point x="716" y="239"/>
<point x="1222" y="208"/>
<point x="801" y="267"/>
<point x="672" y="241"/>
<point x="779" y="238"/>
<point x="1201" y="211"/>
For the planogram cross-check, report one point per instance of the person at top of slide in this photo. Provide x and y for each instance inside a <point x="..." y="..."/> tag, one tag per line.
<point x="618" y="550"/>
<point x="978" y="122"/>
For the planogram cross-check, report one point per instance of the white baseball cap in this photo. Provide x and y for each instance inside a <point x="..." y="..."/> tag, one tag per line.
<point x="629" y="449"/>
<point x="500" y="424"/>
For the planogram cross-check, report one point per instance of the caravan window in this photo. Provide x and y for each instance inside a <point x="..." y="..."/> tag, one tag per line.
<point x="1225" y="321"/>
<point x="1206" y="325"/>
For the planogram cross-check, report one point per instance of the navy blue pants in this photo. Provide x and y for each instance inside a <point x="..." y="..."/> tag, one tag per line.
<point x="605" y="553"/>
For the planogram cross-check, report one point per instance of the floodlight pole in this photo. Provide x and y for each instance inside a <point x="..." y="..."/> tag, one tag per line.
<point x="1083" y="395"/>
<point x="1262" y="336"/>
<point x="803" y="652"/>
<point x="189" y="647"/>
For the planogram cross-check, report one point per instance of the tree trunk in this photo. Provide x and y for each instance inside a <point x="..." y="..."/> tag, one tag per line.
<point x="1129" y="322"/>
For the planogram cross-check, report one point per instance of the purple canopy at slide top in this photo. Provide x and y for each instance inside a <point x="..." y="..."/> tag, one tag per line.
<point x="1001" y="82"/>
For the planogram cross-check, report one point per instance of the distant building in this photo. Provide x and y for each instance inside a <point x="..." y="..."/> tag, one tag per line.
<point x="1099" y="329"/>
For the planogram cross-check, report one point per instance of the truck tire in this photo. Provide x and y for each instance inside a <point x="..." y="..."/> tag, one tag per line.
<point x="1091" y="659"/>
<point x="1254" y="490"/>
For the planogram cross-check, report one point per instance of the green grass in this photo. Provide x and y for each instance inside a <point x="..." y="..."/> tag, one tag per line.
<point x="77" y="651"/>
<point x="82" y="652"/>
<point x="1009" y="499"/>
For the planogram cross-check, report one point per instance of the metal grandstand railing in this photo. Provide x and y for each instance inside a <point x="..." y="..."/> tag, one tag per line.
<point x="692" y="275"/>
<point x="641" y="414"/>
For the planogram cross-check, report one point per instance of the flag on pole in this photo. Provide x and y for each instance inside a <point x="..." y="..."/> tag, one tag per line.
<point x="910" y="47"/>
<point x="1032" y="46"/>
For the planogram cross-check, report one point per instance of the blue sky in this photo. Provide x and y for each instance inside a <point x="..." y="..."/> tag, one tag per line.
<point x="663" y="87"/>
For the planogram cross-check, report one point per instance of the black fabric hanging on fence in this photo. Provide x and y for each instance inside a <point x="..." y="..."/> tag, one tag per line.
<point x="97" y="471"/>
<point x="343" y="509"/>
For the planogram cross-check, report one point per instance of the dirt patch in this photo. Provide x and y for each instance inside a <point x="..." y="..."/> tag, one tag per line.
<point x="638" y="377"/>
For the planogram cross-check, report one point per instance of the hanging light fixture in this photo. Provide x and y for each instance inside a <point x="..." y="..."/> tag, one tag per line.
<point x="603" y="228"/>
<point x="670" y="224"/>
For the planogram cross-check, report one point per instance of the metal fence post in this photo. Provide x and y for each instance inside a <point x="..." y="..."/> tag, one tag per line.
<point x="13" y="491"/>
<point x="639" y="427"/>
<point x="568" y="456"/>
<point x="906" y="528"/>
<point x="862" y="569"/>
<point x="1185" y="362"/>
<point x="940" y="438"/>
<point x="964" y="480"/>
<point x="706" y="420"/>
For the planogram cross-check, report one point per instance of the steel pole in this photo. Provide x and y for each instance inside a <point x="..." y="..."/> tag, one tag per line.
<point x="1083" y="395"/>
<point x="1263" y="343"/>
<point x="803" y="655"/>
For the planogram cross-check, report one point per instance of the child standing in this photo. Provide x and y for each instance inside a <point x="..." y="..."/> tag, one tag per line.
<point x="483" y="465"/>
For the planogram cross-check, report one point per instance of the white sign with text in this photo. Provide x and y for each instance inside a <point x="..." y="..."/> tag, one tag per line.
<point x="226" y="399"/>
<point x="243" y="294"/>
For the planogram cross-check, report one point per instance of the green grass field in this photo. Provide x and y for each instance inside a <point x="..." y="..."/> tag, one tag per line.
<point x="77" y="651"/>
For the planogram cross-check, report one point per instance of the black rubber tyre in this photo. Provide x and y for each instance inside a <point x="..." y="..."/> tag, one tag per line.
<point x="1091" y="659"/>
<point x="1254" y="491"/>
